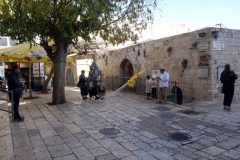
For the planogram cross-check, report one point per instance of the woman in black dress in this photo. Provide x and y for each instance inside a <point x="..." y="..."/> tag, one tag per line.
<point x="228" y="78"/>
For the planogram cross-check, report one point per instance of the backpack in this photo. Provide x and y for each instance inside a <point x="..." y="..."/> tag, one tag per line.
<point x="79" y="84"/>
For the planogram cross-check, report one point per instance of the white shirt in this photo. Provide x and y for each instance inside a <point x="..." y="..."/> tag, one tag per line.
<point x="164" y="79"/>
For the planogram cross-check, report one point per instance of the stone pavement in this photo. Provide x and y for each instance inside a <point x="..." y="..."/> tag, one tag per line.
<point x="71" y="131"/>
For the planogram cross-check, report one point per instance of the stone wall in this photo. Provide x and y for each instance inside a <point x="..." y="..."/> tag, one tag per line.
<point x="73" y="67"/>
<point x="135" y="54"/>
<point x="157" y="54"/>
<point x="230" y="55"/>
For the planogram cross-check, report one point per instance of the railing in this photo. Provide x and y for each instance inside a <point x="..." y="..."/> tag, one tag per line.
<point x="4" y="94"/>
<point x="115" y="82"/>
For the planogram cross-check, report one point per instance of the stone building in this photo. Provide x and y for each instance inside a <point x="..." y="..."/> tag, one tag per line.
<point x="206" y="51"/>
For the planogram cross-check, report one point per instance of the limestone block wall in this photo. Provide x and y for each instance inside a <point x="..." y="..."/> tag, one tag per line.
<point x="135" y="54"/>
<point x="230" y="55"/>
<point x="199" y="51"/>
<point x="73" y="67"/>
<point x="113" y="63"/>
<point x="191" y="85"/>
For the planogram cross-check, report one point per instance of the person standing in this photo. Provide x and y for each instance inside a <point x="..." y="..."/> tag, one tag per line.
<point x="163" y="85"/>
<point x="83" y="85"/>
<point x="26" y="78"/>
<point x="154" y="88"/>
<point x="92" y="83"/>
<point x="49" y="85"/>
<point x="1" y="81"/>
<point x="228" y="78"/>
<point x="101" y="85"/>
<point x="15" y="86"/>
<point x="148" y="87"/>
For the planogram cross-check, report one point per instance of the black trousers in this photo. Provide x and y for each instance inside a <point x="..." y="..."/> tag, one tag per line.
<point x="93" y="91"/>
<point x="16" y="98"/>
<point x="154" y="93"/>
<point x="228" y="94"/>
<point x="84" y="91"/>
<point x="148" y="95"/>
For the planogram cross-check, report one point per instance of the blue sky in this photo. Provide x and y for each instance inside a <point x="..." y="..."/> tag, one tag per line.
<point x="209" y="12"/>
<point x="181" y="16"/>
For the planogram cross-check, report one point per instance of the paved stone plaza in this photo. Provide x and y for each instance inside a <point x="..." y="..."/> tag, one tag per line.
<point x="71" y="131"/>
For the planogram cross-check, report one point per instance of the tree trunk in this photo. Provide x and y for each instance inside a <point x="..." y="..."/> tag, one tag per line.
<point x="44" y="89"/>
<point x="59" y="61"/>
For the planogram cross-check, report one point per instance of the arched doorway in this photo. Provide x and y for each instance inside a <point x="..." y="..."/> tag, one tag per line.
<point x="69" y="77"/>
<point x="126" y="68"/>
<point x="126" y="71"/>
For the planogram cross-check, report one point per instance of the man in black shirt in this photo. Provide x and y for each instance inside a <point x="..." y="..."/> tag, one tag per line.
<point x="15" y="85"/>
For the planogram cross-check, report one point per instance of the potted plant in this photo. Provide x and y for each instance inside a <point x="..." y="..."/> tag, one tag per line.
<point x="194" y="44"/>
<point x="184" y="63"/>
<point x="169" y="49"/>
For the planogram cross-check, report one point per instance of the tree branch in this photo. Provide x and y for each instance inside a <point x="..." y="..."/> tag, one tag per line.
<point x="47" y="48"/>
<point x="123" y="15"/>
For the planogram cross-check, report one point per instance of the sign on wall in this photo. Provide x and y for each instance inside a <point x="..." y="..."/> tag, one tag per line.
<point x="218" y="46"/>
<point x="35" y="70"/>
<point x="203" y="59"/>
<point x="202" y="71"/>
<point x="156" y="64"/>
<point x="203" y="46"/>
<point x="41" y="69"/>
<point x="38" y="69"/>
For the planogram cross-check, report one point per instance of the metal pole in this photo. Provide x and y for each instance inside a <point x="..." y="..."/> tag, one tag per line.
<point x="175" y="93"/>
<point x="112" y="84"/>
<point x="118" y="90"/>
<point x="30" y="79"/>
<point x="12" y="106"/>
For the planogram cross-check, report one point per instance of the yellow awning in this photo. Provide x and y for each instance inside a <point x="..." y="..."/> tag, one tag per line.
<point x="23" y="53"/>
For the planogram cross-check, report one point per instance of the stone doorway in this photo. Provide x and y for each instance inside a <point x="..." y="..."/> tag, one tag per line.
<point x="126" y="68"/>
<point x="69" y="77"/>
<point x="126" y="71"/>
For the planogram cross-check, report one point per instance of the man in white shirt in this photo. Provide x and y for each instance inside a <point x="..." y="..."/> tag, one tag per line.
<point x="163" y="85"/>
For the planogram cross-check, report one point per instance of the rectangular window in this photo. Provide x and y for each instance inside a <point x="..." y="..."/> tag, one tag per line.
<point x="13" y="42"/>
<point x="3" y="41"/>
<point x="83" y="64"/>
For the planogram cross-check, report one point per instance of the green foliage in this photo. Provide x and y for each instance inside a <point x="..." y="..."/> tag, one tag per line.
<point x="115" y="21"/>
<point x="59" y="23"/>
<point x="184" y="63"/>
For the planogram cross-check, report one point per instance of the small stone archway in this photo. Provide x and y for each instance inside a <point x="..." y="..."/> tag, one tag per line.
<point x="126" y="68"/>
<point x="126" y="71"/>
<point x="69" y="77"/>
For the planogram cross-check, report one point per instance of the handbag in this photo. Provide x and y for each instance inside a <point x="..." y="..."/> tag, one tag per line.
<point x="78" y="84"/>
<point x="220" y="89"/>
<point x="91" y="84"/>
<point x="22" y="94"/>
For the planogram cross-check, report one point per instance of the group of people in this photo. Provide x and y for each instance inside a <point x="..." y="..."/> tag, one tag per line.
<point x="95" y="87"/>
<point x="92" y="85"/>
<point x="228" y="78"/>
<point x="156" y="84"/>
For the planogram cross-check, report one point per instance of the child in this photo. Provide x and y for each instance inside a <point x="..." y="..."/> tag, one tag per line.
<point x="148" y="86"/>
<point x="154" y="88"/>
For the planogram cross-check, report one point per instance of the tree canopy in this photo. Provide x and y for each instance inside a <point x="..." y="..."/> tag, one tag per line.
<point x="63" y="21"/>
<point x="115" y="21"/>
